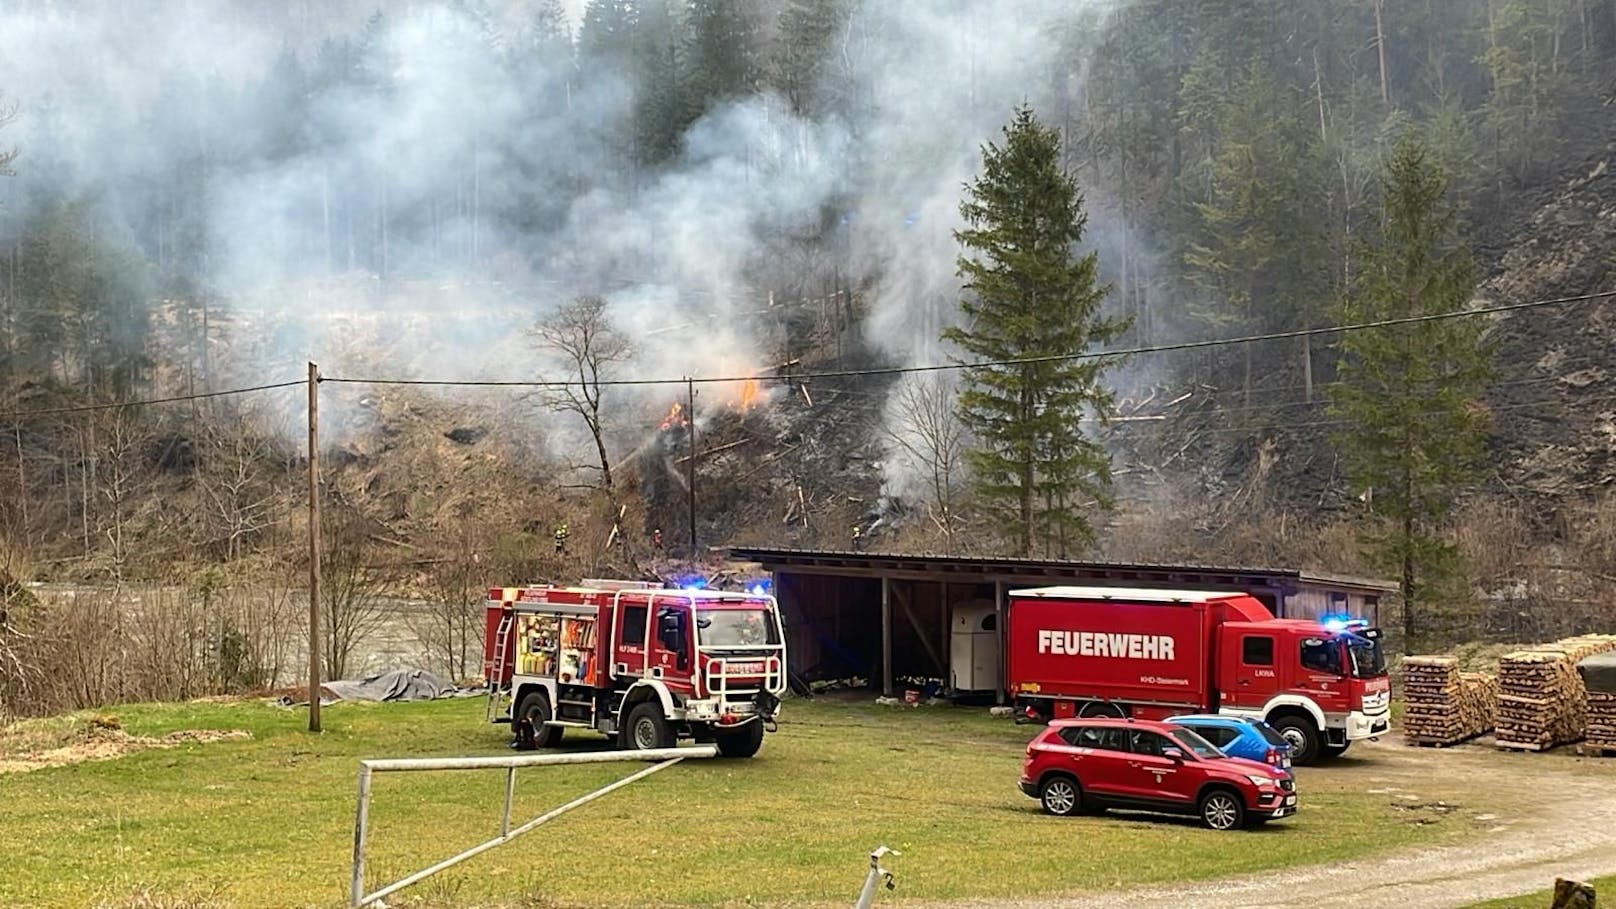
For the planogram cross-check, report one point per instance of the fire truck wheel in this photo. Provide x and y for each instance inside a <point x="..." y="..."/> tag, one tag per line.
<point x="646" y="728"/>
<point x="742" y="744"/>
<point x="1303" y="736"/>
<point x="1101" y="710"/>
<point x="535" y="711"/>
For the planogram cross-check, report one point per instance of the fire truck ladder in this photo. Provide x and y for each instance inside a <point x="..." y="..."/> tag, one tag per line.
<point x="496" y="674"/>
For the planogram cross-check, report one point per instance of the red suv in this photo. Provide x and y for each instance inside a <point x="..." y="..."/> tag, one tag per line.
<point x="1078" y="765"/>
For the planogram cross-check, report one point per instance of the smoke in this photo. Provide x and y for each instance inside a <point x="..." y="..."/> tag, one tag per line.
<point x="385" y="195"/>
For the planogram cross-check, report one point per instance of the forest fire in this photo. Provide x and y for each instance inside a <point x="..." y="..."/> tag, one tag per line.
<point x="676" y="418"/>
<point x="747" y="395"/>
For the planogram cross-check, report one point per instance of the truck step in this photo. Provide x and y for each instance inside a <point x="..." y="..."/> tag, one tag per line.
<point x="585" y="704"/>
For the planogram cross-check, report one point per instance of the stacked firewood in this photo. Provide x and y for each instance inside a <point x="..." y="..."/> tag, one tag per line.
<point x="1444" y="706"/>
<point x="1542" y="702"/>
<point x="1598" y="674"/>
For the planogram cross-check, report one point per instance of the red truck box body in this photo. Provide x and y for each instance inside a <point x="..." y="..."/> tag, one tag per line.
<point x="1116" y="644"/>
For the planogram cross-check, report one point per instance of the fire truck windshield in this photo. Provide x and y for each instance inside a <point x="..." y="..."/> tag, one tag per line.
<point x="1367" y="659"/>
<point x="736" y="627"/>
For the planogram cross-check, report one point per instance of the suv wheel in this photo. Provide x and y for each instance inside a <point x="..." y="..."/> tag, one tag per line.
<point x="1221" y="810"/>
<point x="1060" y="796"/>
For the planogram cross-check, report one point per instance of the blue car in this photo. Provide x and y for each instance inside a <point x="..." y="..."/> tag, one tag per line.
<point x="1239" y="736"/>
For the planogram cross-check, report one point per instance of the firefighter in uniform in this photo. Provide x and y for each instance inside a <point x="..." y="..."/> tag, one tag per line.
<point x="561" y="539"/>
<point x="656" y="539"/>
<point x="858" y="536"/>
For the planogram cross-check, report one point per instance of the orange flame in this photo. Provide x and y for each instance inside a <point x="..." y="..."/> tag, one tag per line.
<point x="675" y="417"/>
<point x="748" y="395"/>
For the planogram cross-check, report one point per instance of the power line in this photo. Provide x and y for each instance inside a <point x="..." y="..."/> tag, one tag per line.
<point x="114" y="405"/>
<point x="842" y="373"/>
<point x="1022" y="361"/>
<point x="1302" y="424"/>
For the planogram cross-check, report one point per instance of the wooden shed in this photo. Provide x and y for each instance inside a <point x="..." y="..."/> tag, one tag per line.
<point x="884" y="616"/>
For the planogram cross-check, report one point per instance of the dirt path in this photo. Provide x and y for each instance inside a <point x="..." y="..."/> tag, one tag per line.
<point x="1556" y="817"/>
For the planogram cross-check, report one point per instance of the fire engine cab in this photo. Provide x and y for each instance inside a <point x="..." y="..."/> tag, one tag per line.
<point x="644" y="664"/>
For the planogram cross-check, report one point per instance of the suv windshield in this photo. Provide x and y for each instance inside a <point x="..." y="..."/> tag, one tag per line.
<point x="1367" y="659"/>
<point x="735" y="627"/>
<point x="1193" y="742"/>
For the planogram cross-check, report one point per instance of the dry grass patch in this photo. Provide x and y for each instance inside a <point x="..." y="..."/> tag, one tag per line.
<point x="59" y="741"/>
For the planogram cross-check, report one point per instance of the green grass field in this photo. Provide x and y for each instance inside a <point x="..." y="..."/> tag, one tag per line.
<point x="268" y="822"/>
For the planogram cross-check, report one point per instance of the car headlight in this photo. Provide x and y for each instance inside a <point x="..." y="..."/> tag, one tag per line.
<point x="1261" y="781"/>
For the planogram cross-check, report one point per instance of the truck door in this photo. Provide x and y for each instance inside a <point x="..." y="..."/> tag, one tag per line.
<point x="670" y="658"/>
<point x="628" y="650"/>
<point x="1250" y="669"/>
<point x="1320" y="673"/>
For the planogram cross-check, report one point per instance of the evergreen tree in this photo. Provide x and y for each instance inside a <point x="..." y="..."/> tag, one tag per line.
<point x="1030" y="299"/>
<point x="725" y="58"/>
<point x="807" y="29"/>
<point x="1260" y="243"/>
<point x="607" y="32"/>
<point x="1409" y="393"/>
<point x="660" y="112"/>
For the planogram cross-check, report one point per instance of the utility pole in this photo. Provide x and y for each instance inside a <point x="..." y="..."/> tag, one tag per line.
<point x="314" y="548"/>
<point x="690" y="472"/>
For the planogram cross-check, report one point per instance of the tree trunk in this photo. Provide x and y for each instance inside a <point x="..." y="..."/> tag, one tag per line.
<point x="600" y="451"/>
<point x="1024" y="537"/>
<point x="1380" y="47"/>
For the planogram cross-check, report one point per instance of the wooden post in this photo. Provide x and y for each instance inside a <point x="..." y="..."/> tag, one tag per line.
<point x="314" y="548"/>
<point x="998" y="636"/>
<point x="690" y="473"/>
<point x="886" y="637"/>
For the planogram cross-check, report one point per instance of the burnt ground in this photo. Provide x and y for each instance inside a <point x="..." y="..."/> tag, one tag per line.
<point x="1563" y="825"/>
<point x="1202" y="441"/>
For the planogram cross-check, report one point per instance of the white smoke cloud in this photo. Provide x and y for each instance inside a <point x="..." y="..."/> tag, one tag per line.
<point x="682" y="254"/>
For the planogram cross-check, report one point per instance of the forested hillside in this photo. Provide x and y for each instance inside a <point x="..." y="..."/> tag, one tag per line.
<point x="200" y="198"/>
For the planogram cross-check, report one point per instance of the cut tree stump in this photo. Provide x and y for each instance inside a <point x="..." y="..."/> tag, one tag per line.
<point x="1572" y="895"/>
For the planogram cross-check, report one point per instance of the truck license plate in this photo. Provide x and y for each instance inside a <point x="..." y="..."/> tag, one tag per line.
<point x="1290" y="800"/>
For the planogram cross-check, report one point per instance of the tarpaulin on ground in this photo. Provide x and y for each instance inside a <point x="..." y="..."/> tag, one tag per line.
<point x="395" y="685"/>
<point x="1599" y="672"/>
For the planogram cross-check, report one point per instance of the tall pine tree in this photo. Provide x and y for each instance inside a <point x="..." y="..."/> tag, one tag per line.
<point x="1409" y="393"/>
<point x="1031" y="300"/>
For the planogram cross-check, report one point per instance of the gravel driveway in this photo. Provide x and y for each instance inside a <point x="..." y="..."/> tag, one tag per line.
<point x="1564" y="826"/>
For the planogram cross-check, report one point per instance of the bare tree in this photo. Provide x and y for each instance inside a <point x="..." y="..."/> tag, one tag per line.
<point x="241" y="501"/>
<point x="350" y="589"/>
<point x="453" y="617"/>
<point x="121" y="477"/>
<point x="928" y="434"/>
<point x="583" y="335"/>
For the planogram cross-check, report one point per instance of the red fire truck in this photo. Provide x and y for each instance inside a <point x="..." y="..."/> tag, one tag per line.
<point x="644" y="664"/>
<point x="1151" y="654"/>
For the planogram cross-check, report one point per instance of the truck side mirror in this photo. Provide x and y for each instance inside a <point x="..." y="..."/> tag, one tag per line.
<point x="1173" y="754"/>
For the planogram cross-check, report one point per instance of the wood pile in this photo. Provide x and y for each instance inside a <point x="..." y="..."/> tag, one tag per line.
<point x="1541" y="700"/>
<point x="1601" y="728"/>
<point x="1599" y="679"/>
<point x="1443" y="706"/>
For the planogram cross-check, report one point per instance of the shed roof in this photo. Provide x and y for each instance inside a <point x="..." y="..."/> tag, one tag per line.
<point x="981" y="568"/>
